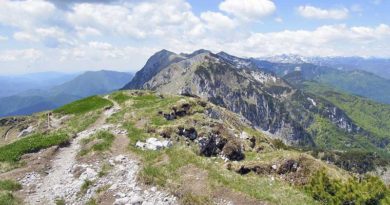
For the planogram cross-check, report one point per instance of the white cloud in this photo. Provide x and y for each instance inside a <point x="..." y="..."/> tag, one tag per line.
<point x="17" y="55"/>
<point x="25" y="14"/>
<point x="3" y="38"/>
<point x="84" y="32"/>
<point x="24" y="36"/>
<point x="217" y="21"/>
<point x="330" y="40"/>
<point x="142" y="20"/>
<point x="248" y="9"/>
<point x="279" y="19"/>
<point x="319" y="13"/>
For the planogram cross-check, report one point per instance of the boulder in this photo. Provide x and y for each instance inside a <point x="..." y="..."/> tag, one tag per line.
<point x="153" y="144"/>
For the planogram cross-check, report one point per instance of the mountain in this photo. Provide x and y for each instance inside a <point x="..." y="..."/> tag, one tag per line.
<point x="92" y="83"/>
<point x="368" y="114"/>
<point x="378" y="66"/>
<point x="357" y="82"/>
<point x="12" y="85"/>
<point x="269" y="102"/>
<point x="144" y="147"/>
<point x="84" y="85"/>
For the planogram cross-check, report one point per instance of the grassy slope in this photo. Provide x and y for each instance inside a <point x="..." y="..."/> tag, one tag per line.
<point x="85" y="105"/>
<point x="359" y="83"/>
<point x="371" y="116"/>
<point x="163" y="167"/>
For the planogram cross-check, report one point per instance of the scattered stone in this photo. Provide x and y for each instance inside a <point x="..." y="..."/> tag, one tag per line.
<point x="154" y="144"/>
<point x="88" y="174"/>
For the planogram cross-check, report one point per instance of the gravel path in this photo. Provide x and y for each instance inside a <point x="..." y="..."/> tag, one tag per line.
<point x="67" y="176"/>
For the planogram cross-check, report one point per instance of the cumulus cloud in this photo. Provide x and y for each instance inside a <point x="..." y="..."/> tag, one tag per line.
<point x="217" y="21"/>
<point x="319" y="13"/>
<point x="248" y="9"/>
<point x="25" y="14"/>
<point x="329" y="40"/>
<point x="140" y="20"/>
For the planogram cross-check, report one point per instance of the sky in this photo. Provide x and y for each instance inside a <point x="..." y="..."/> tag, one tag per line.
<point x="77" y="35"/>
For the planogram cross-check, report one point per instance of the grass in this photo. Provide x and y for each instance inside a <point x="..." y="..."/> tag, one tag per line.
<point x="91" y="202"/>
<point x="6" y="189"/>
<point x="261" y="188"/>
<point x="12" y="152"/>
<point x="60" y="202"/>
<point x="85" y="105"/>
<point x="79" y="123"/>
<point x="85" y="186"/>
<point x="9" y="185"/>
<point x="7" y="198"/>
<point x="101" y="141"/>
<point x="104" y="170"/>
<point x="192" y="199"/>
<point x="120" y="97"/>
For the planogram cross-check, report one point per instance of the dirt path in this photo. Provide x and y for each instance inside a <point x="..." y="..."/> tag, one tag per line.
<point x="51" y="187"/>
<point x="67" y="176"/>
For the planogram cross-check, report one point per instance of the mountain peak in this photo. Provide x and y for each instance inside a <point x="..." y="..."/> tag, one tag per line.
<point x="195" y="53"/>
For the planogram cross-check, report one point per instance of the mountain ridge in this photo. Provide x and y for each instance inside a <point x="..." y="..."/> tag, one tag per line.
<point x="263" y="98"/>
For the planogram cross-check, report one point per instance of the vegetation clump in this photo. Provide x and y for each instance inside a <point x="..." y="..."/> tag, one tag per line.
<point x="85" y="105"/>
<point x="99" y="142"/>
<point x="12" y="152"/>
<point x="367" y="190"/>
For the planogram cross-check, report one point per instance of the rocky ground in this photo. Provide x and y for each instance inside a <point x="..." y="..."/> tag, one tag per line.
<point x="73" y="182"/>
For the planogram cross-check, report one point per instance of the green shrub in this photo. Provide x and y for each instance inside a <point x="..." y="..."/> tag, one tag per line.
<point x="9" y="185"/>
<point x="85" y="105"/>
<point x="368" y="190"/>
<point x="12" y="152"/>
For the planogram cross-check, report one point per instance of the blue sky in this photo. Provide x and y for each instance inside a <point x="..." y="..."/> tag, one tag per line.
<point x="75" y="35"/>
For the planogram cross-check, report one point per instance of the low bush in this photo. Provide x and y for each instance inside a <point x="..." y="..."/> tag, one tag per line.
<point x="368" y="190"/>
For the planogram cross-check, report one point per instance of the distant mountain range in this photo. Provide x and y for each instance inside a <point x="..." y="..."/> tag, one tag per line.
<point x="62" y="92"/>
<point x="378" y="66"/>
<point x="358" y="82"/>
<point x="11" y="85"/>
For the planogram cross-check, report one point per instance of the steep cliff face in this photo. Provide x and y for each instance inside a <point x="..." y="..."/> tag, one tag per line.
<point x="266" y="100"/>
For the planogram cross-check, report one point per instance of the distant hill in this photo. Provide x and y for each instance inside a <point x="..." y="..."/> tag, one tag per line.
<point x="14" y="84"/>
<point x="84" y="85"/>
